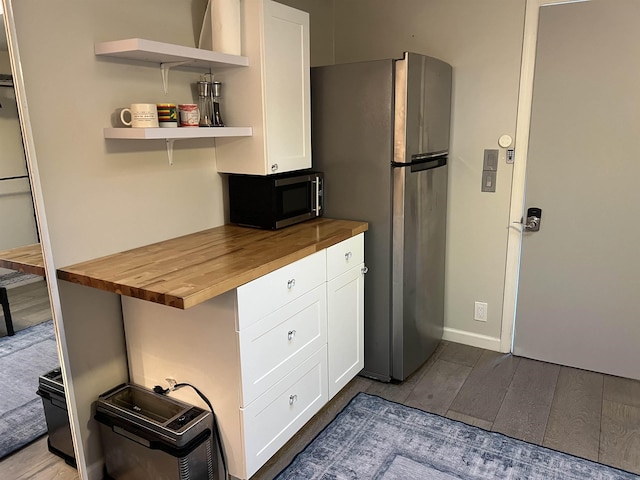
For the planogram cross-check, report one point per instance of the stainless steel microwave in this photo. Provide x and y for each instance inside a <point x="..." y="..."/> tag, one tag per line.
<point x="275" y="201"/>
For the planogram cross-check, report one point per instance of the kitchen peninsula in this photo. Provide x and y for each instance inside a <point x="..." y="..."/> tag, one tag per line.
<point x="268" y="324"/>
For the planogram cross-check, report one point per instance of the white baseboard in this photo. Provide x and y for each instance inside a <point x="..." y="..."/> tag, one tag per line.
<point x="472" y="339"/>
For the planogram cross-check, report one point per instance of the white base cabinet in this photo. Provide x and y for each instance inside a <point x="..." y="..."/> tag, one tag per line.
<point x="345" y="318"/>
<point x="345" y="300"/>
<point x="268" y="355"/>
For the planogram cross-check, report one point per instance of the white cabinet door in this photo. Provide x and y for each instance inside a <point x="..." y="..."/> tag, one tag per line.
<point x="272" y="95"/>
<point x="345" y="331"/>
<point x="287" y="88"/>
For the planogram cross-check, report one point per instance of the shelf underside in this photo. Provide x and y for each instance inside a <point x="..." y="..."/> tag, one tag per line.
<point x="151" y="51"/>
<point x="177" y="133"/>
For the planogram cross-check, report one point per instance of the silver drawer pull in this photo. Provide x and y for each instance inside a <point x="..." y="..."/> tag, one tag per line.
<point x="291" y="283"/>
<point x="347" y="256"/>
<point x="291" y="334"/>
<point x="293" y="399"/>
<point x="274" y="167"/>
<point x="364" y="269"/>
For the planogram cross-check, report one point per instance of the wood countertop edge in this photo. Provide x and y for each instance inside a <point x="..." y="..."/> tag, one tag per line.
<point x="23" y="267"/>
<point x="26" y="259"/>
<point x="201" y="295"/>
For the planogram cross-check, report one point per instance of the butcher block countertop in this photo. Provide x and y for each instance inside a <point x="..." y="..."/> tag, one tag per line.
<point x="24" y="259"/>
<point x="185" y="271"/>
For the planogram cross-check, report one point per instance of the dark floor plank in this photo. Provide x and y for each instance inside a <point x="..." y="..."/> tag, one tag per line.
<point x="622" y="390"/>
<point x="462" y="354"/>
<point x="574" y="420"/>
<point x="527" y="404"/>
<point x="620" y="436"/>
<point x="400" y="392"/>
<point x="485" y="387"/>
<point x="469" y="420"/>
<point x="438" y="387"/>
<point x="35" y="462"/>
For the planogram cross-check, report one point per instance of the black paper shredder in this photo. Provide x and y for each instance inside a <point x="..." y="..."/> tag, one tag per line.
<point x="51" y="389"/>
<point x="148" y="435"/>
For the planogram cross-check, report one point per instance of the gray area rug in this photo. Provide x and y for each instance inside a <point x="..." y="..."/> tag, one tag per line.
<point x="18" y="278"/>
<point x="373" y="438"/>
<point x="23" y="358"/>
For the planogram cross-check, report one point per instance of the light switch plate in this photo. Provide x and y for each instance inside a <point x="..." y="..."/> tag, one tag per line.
<point x="488" y="181"/>
<point x="490" y="160"/>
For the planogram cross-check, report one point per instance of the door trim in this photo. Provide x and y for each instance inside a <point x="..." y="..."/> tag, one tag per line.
<point x="523" y="123"/>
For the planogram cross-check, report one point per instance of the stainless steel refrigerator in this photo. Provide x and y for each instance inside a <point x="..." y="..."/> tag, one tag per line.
<point x="380" y="134"/>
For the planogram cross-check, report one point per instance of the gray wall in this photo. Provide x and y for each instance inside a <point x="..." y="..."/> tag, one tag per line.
<point x="482" y="40"/>
<point x="321" y="17"/>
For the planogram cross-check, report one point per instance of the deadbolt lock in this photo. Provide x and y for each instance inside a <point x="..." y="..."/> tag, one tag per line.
<point x="534" y="215"/>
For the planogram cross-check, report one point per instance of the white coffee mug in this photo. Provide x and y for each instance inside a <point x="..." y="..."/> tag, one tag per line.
<point x="143" y="115"/>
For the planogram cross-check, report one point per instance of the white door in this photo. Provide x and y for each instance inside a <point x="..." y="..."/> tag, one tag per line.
<point x="580" y="273"/>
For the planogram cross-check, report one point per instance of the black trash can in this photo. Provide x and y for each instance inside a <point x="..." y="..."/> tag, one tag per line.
<point x="51" y="389"/>
<point x="148" y="435"/>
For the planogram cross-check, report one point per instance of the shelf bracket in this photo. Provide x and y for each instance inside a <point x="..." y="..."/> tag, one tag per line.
<point x="170" y="149"/>
<point x="165" y="67"/>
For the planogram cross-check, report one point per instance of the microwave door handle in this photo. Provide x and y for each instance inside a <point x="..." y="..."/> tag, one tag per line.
<point x="315" y="197"/>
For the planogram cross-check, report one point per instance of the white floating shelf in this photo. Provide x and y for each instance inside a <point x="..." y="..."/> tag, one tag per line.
<point x="161" y="53"/>
<point x="177" y="133"/>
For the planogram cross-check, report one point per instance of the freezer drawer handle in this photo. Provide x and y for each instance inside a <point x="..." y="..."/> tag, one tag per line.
<point x="422" y="157"/>
<point x="291" y="283"/>
<point x="364" y="270"/>
<point x="423" y="162"/>
<point x="347" y="256"/>
<point x="291" y="334"/>
<point x="293" y="399"/>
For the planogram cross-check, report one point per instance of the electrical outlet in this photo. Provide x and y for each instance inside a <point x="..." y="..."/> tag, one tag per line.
<point x="480" y="312"/>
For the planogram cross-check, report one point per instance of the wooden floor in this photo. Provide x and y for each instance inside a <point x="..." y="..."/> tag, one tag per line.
<point x="29" y="306"/>
<point x="587" y="414"/>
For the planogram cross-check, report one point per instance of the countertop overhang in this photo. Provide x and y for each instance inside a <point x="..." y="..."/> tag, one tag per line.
<point x="185" y="271"/>
<point x="24" y="259"/>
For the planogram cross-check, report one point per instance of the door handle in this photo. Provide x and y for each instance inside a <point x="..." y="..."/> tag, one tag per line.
<point x="534" y="215"/>
<point x="532" y="224"/>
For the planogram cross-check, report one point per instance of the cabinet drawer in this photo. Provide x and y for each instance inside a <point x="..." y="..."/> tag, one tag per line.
<point x="276" y="416"/>
<point x="271" y="347"/>
<point x="345" y="255"/>
<point x="270" y="292"/>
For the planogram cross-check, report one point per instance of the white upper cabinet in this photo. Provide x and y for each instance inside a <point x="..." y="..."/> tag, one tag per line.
<point x="272" y="94"/>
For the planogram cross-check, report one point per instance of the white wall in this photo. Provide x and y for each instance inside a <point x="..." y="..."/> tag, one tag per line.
<point x="17" y="221"/>
<point x="103" y="196"/>
<point x="482" y="40"/>
<point x="109" y="195"/>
